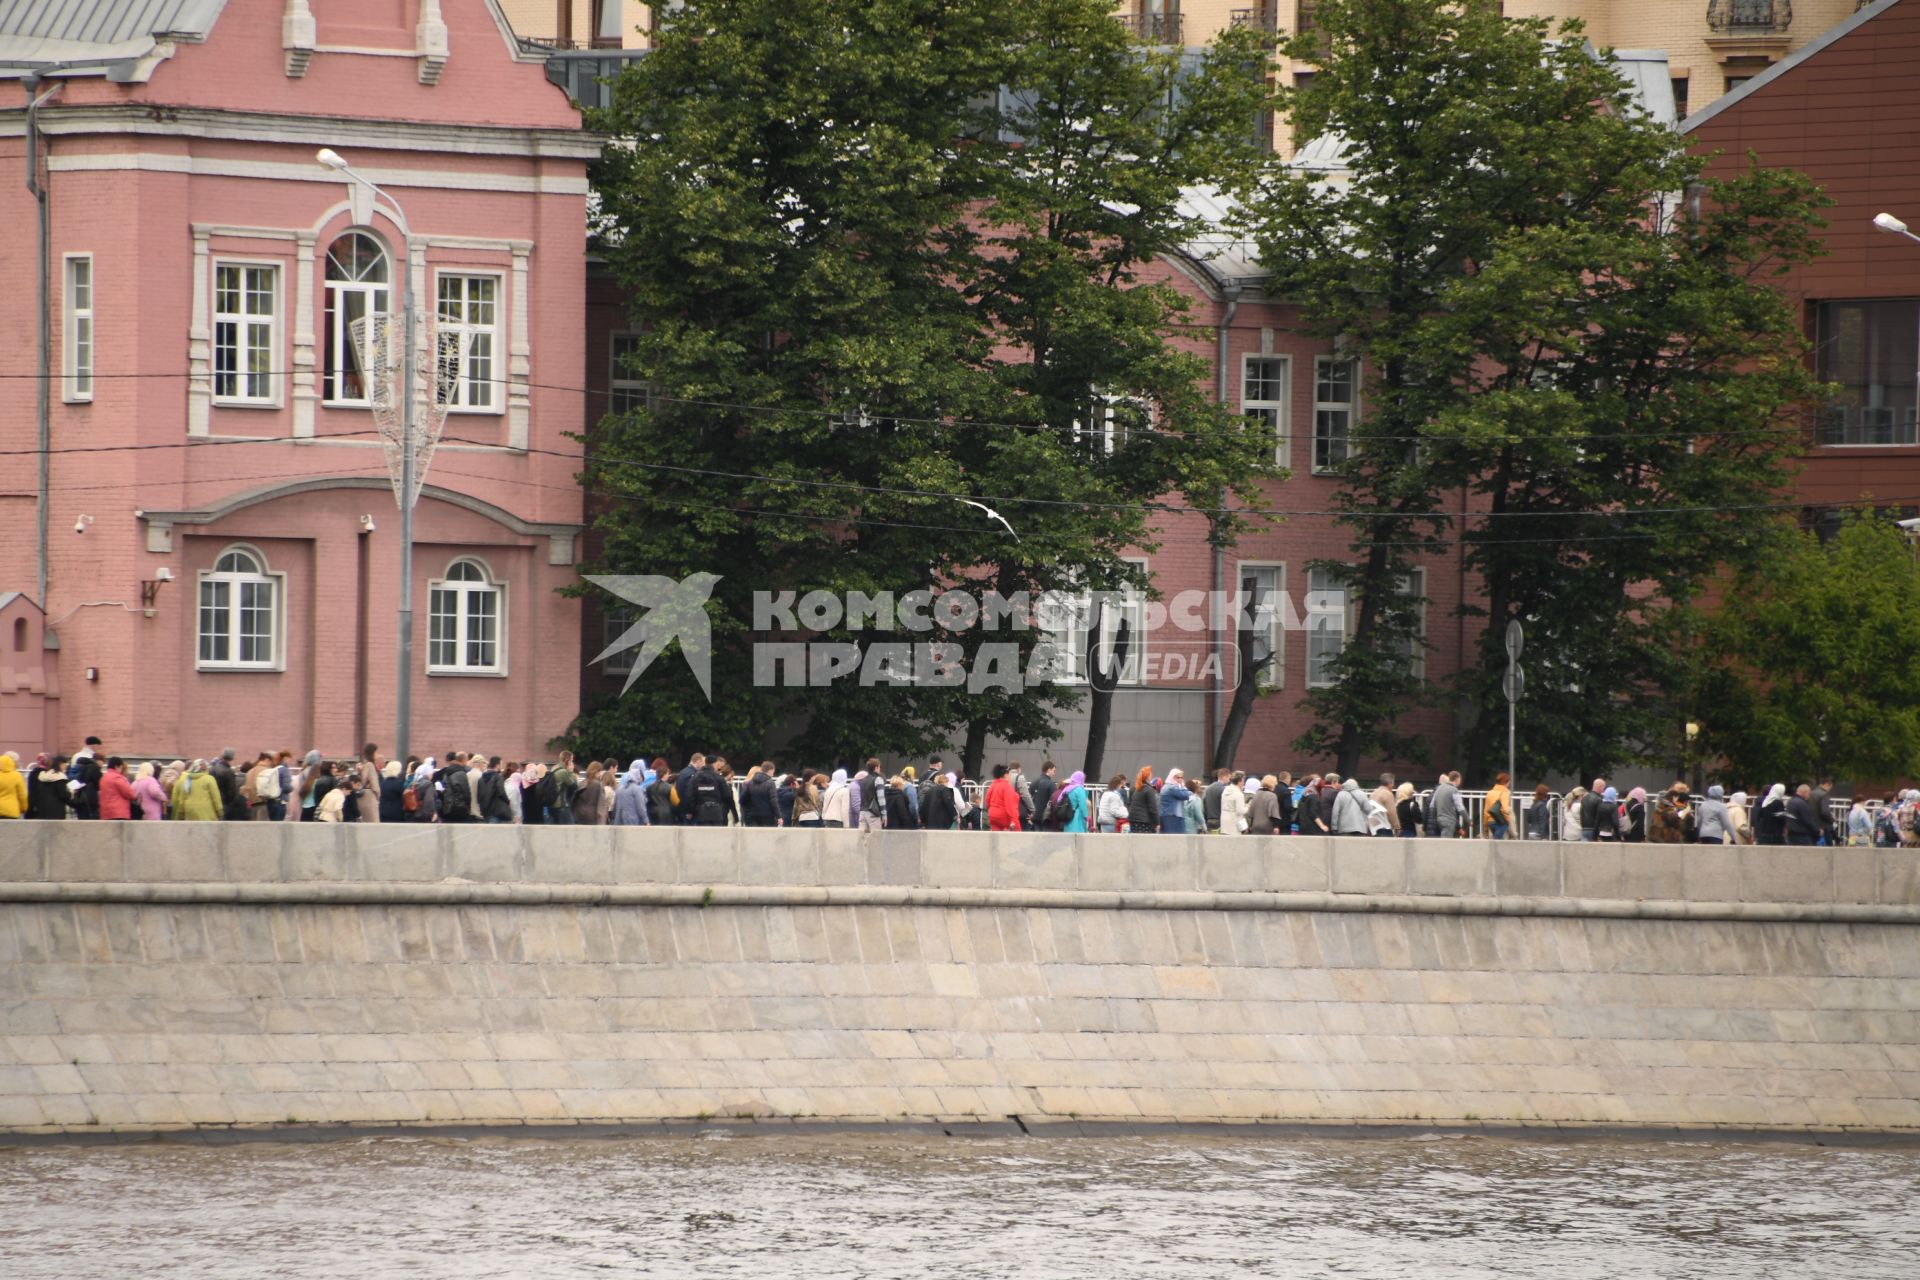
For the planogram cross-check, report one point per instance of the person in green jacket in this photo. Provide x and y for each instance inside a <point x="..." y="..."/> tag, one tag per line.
<point x="196" y="796"/>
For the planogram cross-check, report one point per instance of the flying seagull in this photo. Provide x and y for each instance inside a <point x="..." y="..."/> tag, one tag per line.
<point x="992" y="515"/>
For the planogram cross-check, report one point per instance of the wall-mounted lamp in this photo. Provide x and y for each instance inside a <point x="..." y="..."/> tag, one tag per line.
<point x="366" y="524"/>
<point x="82" y="524"/>
<point x="93" y="674"/>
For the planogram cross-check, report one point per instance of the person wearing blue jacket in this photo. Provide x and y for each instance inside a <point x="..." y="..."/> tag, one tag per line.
<point x="1173" y="804"/>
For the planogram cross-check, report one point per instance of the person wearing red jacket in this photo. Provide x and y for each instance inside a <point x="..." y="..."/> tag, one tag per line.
<point x="1003" y="802"/>
<point x="116" y="793"/>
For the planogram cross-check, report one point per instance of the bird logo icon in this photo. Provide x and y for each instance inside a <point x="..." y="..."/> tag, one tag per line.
<point x="674" y="611"/>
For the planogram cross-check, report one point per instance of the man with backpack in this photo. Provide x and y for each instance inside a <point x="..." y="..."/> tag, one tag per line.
<point x="1042" y="789"/>
<point x="711" y="801"/>
<point x="456" y="790"/>
<point x="872" y="797"/>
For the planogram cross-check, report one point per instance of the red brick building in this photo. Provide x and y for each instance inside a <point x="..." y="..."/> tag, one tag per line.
<point x="1845" y="109"/>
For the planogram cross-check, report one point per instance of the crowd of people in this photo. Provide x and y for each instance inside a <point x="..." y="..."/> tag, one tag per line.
<point x="471" y="787"/>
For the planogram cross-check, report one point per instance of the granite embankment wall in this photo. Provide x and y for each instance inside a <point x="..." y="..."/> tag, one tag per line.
<point x="156" y="976"/>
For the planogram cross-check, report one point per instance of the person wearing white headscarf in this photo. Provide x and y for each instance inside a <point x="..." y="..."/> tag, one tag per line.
<point x="1233" y="811"/>
<point x="1770" y="827"/>
<point x="836" y="805"/>
<point x="630" y="798"/>
<point x="1739" y="825"/>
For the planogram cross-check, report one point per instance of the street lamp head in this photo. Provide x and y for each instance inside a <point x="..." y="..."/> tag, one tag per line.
<point x="334" y="160"/>
<point x="1889" y="224"/>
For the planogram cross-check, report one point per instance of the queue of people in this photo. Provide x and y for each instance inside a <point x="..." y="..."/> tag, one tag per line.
<point x="472" y="787"/>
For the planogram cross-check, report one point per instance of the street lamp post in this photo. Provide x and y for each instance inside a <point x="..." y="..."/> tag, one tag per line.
<point x="1895" y="227"/>
<point x="403" y="691"/>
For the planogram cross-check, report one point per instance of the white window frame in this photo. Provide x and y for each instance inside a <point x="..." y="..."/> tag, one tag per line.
<point x="275" y="582"/>
<point x="1414" y="582"/>
<point x="1276" y="673"/>
<point x="466" y="334"/>
<point x="1350" y="406"/>
<point x="1275" y="411"/>
<point x="1110" y="434"/>
<point x="1133" y="607"/>
<point x="243" y="321"/>
<point x="1317" y="628"/>
<point x="613" y="624"/>
<point x="624" y="391"/>
<point x="489" y="584"/>
<point x="338" y="327"/>
<point x="78" y="333"/>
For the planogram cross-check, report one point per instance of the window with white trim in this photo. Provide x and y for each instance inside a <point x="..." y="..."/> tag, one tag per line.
<point x="467" y="322"/>
<point x="1261" y="588"/>
<point x="358" y="285"/>
<point x="1326" y="617"/>
<point x="1413" y="586"/>
<point x="77" y="349"/>
<point x="1333" y="405"/>
<point x="626" y="389"/>
<point x="245" y="305"/>
<point x="1128" y="605"/>
<point x="239" y="614"/>
<point x="1263" y="395"/>
<point x="465" y="621"/>
<point x="1110" y="420"/>
<point x="1870" y="350"/>
<point x="613" y="625"/>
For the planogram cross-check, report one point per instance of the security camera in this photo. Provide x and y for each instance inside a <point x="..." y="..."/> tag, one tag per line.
<point x="366" y="524"/>
<point x="1911" y="526"/>
<point x="80" y="525"/>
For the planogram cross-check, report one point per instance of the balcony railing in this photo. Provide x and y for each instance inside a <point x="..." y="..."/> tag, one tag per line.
<point x="1261" y="19"/>
<point x="561" y="42"/>
<point x="1154" y="28"/>
<point x="1749" y="17"/>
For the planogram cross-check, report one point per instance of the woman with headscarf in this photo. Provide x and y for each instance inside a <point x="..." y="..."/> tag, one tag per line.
<point x="1413" y="822"/>
<point x="1233" y="807"/>
<point x="1738" y="823"/>
<point x="147" y="793"/>
<point x="630" y="797"/>
<point x="1633" y="816"/>
<point x="1570" y="828"/>
<point x="1143" y="806"/>
<point x="1173" y="804"/>
<point x="1712" y="824"/>
<point x="1770" y="827"/>
<point x="1607" y="815"/>
<point x="196" y="796"/>
<point x="836" y="805"/>
<point x="393" y="793"/>
<point x="1076" y="799"/>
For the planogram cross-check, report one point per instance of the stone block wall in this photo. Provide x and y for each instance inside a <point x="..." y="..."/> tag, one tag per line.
<point x="174" y="975"/>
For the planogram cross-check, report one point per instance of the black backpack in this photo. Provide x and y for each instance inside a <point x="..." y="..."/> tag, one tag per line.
<point x="546" y="792"/>
<point x="459" y="794"/>
<point x="1059" y="812"/>
<point x="1429" y="819"/>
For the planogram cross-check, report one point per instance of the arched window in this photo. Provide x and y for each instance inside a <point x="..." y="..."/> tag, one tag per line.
<point x="357" y="285"/>
<point x="466" y="617"/>
<point x="19" y="635"/>
<point x="239" y="622"/>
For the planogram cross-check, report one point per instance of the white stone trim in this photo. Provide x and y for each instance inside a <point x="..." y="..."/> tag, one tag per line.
<point x="200" y="340"/>
<point x="298" y="35"/>
<point x="309" y="132"/>
<point x="306" y="359"/>
<point x="275" y="171"/>
<point x="519" y="354"/>
<point x="430" y="42"/>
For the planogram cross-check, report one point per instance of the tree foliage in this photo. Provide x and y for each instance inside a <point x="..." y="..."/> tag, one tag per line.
<point x="884" y="256"/>
<point x="1577" y="370"/>
<point x="1811" y="664"/>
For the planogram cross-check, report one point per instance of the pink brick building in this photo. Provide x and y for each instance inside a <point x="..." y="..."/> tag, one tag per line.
<point x="222" y="560"/>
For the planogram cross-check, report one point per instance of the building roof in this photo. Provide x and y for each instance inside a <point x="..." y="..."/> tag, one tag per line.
<point x="1222" y="251"/>
<point x="1647" y="74"/>
<point x="1839" y="31"/>
<point x="96" y="31"/>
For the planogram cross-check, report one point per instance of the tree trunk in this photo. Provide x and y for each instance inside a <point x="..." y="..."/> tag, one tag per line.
<point x="975" y="750"/>
<point x="1375" y="581"/>
<point x="1253" y="658"/>
<point x="1102" y="680"/>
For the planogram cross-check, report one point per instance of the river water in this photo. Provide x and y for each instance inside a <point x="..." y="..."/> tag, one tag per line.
<point x="845" y="1205"/>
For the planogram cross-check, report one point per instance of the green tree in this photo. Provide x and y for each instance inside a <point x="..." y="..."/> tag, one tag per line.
<point x="883" y="257"/>
<point x="1810" y="666"/>
<point x="1605" y="381"/>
